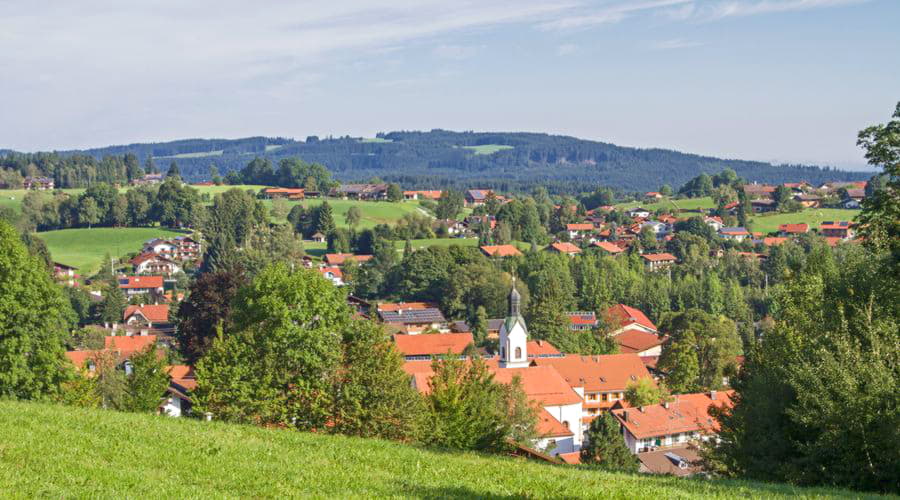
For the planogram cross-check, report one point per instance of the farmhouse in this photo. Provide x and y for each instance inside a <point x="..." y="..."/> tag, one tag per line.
<point x="762" y="206"/>
<point x="332" y="274"/>
<point x="621" y="318"/>
<point x="734" y="233"/>
<point x="793" y="229"/>
<point x="422" y="195"/>
<point x="501" y="251"/>
<point x="639" y="212"/>
<point x="147" y="315"/>
<point x="362" y="191"/>
<point x="476" y="197"/>
<point x="38" y="183"/>
<point x="686" y="418"/>
<point x="286" y="193"/>
<point x="658" y="261"/>
<point x="151" y="263"/>
<point x="582" y="320"/>
<point x="579" y="230"/>
<point x="339" y="259"/>
<point x="564" y="248"/>
<point x="138" y="285"/>
<point x="759" y="191"/>
<point x="841" y="229"/>
<point x="147" y="180"/>
<point x="413" y="317"/>
<point x="607" y="247"/>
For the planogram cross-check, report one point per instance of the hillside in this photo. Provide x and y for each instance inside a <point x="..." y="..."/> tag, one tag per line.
<point x="501" y="160"/>
<point x="56" y="451"/>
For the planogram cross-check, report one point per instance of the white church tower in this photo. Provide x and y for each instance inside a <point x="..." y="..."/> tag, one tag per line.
<point x="514" y="335"/>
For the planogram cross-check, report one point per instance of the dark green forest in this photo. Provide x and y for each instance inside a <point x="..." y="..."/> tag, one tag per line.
<point x="438" y="159"/>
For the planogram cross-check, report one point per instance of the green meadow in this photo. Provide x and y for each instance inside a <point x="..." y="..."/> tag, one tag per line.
<point x="86" y="248"/>
<point x="373" y="212"/>
<point x="53" y="451"/>
<point x="487" y="149"/>
<point x="671" y="204"/>
<point x="768" y="223"/>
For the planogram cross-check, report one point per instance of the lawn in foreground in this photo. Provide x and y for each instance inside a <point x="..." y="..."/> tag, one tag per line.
<point x="85" y="248"/>
<point x="57" y="451"/>
<point x="768" y="223"/>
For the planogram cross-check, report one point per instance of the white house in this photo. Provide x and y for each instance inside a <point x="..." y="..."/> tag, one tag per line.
<point x="639" y="212"/>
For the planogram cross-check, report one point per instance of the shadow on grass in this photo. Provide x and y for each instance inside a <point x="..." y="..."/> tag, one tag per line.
<point x="430" y="492"/>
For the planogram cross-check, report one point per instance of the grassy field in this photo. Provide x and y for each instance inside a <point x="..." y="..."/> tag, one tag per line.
<point x="199" y="154"/>
<point x="373" y="212"/>
<point x="487" y="149"/>
<point x="767" y="223"/>
<point x="57" y="451"/>
<point x="683" y="204"/>
<point x="85" y="248"/>
<point x="438" y="242"/>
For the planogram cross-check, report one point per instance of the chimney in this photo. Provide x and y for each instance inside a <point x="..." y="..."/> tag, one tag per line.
<point x="666" y="405"/>
<point x="712" y="395"/>
<point x="625" y="416"/>
<point x="641" y="409"/>
<point x="540" y="342"/>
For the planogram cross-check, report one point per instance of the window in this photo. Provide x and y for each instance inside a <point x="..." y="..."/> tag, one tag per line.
<point x="518" y="353"/>
<point x="566" y="423"/>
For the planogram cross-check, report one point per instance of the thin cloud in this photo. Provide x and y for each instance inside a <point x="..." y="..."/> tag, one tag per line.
<point x="609" y="15"/>
<point x="728" y="9"/>
<point x="673" y="44"/>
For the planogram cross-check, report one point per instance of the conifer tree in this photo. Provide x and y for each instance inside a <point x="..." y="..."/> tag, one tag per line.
<point x="145" y="386"/>
<point x="606" y="447"/>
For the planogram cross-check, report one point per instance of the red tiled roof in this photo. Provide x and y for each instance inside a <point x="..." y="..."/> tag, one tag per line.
<point x="835" y="225"/>
<point x="541" y="347"/>
<point x="183" y="375"/>
<point x="582" y="318"/>
<point x="610" y="372"/>
<point x="337" y="259"/>
<point x="334" y="270"/>
<point x="565" y="247"/>
<point x="548" y="427"/>
<point x="542" y="384"/>
<point x="794" y="228"/>
<point x="501" y="251"/>
<point x="637" y="341"/>
<point x="138" y="282"/>
<point x="79" y="358"/>
<point x="623" y="315"/>
<point x="686" y="413"/>
<point x="579" y="227"/>
<point x="129" y="343"/>
<point x="659" y="257"/>
<point x="433" y="344"/>
<point x="154" y="313"/>
<point x="773" y="241"/>
<point x="573" y="458"/>
<point x="607" y="246"/>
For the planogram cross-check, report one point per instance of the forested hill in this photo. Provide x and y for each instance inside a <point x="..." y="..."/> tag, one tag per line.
<point x="500" y="160"/>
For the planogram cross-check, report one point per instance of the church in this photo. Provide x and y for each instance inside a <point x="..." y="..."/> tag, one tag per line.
<point x="559" y="419"/>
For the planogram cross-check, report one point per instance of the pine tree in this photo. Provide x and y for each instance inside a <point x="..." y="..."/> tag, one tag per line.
<point x="324" y="219"/>
<point x="174" y="171"/>
<point x="112" y="307"/>
<point x="34" y="322"/>
<point x="145" y="386"/>
<point x="480" y="325"/>
<point x="606" y="447"/>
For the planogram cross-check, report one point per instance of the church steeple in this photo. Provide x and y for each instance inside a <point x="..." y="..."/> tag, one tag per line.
<point x="514" y="334"/>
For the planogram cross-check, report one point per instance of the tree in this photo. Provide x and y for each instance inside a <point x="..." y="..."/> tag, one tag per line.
<point x="88" y="211"/>
<point x="323" y="220"/>
<point x="354" y="216"/>
<point x="275" y="365"/>
<point x="34" y="320"/>
<point x="174" y="172"/>
<point x="394" y="193"/>
<point x="665" y="190"/>
<point x="372" y="395"/>
<point x="479" y="325"/>
<point x="644" y="392"/>
<point x="279" y="208"/>
<point x="449" y="205"/>
<point x="206" y="309"/>
<point x="716" y="344"/>
<point x="468" y="410"/>
<point x="879" y="222"/>
<point x="147" y="382"/>
<point x="112" y="307"/>
<point x="679" y="363"/>
<point x="214" y="175"/>
<point x="606" y="447"/>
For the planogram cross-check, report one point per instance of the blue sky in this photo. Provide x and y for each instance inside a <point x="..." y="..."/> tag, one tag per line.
<point x="773" y="80"/>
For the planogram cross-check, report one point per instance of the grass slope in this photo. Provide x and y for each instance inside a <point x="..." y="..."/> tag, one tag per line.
<point x="487" y="149"/>
<point x="373" y="212"/>
<point x="768" y="223"/>
<point x="683" y="204"/>
<point x="57" y="451"/>
<point x="85" y="248"/>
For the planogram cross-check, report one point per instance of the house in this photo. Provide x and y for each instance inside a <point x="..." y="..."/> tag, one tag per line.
<point x="641" y="212"/>
<point x="147" y="315"/>
<point x="599" y="380"/>
<point x="787" y="230"/>
<point x="162" y="247"/>
<point x="608" y="248"/>
<point x="151" y="263"/>
<point x="454" y="227"/>
<point x="773" y="241"/>
<point x="809" y="200"/>
<point x="362" y="191"/>
<point x="426" y="347"/>
<point x="734" y="233"/>
<point x="762" y="206"/>
<point x="332" y="274"/>
<point x="147" y="180"/>
<point x="639" y="342"/>
<point x="582" y="320"/>
<point x="840" y="229"/>
<point x="714" y="222"/>
<point x="565" y="248"/>
<point x="660" y="229"/>
<point x="681" y="461"/>
<point x="653" y="195"/>
<point x="339" y="259"/>
<point x="120" y="349"/>
<point x="493" y="327"/>
<point x="579" y="230"/>
<point x="177" y="400"/>
<point x="187" y="248"/>
<point x="138" y="285"/>
<point x="413" y="317"/>
<point x="621" y="318"/>
<point x="129" y="343"/>
<point x="422" y="195"/>
<point x="286" y="193"/>
<point x="759" y="191"/>
<point x="684" y="419"/>
<point x="658" y="261"/>
<point x="38" y="183"/>
<point x="65" y="273"/>
<point x="476" y="197"/>
<point x="501" y="251"/>
<point x="319" y="237"/>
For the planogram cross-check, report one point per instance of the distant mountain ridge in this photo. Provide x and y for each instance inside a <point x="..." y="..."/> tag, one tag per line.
<point x="507" y="161"/>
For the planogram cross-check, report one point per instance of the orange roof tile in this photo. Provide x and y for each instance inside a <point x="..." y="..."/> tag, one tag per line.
<point x="548" y="427"/>
<point x="542" y="384"/>
<point x="623" y="315"/>
<point x="501" y="251"/>
<point x="129" y="343"/>
<point x="183" y="375"/>
<point x="772" y="241"/>
<point x="433" y="344"/>
<point x="565" y="247"/>
<point x="659" y="257"/>
<point x="137" y="282"/>
<point x="337" y="259"/>
<point x="637" y="341"/>
<point x="794" y="228"/>
<point x="154" y="313"/>
<point x="607" y="246"/>
<point x="610" y="372"/>
<point x="686" y="413"/>
<point x="580" y="227"/>
<point x="541" y="347"/>
<point x="573" y="458"/>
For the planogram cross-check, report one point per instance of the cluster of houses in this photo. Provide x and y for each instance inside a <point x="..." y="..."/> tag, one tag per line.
<point x="848" y="194"/>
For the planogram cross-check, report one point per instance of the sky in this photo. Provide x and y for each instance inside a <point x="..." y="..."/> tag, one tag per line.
<point x="771" y="80"/>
